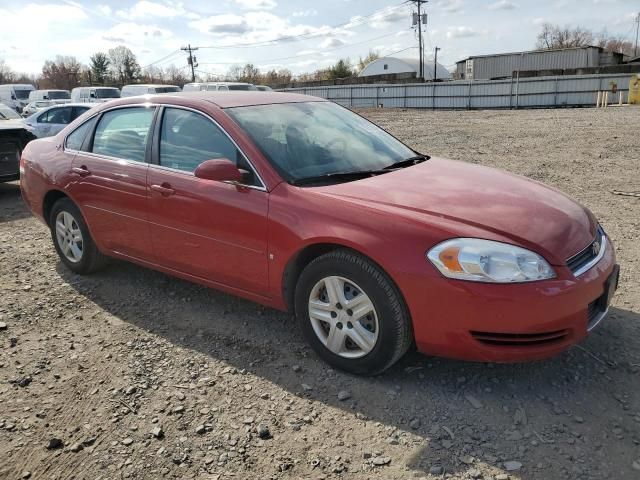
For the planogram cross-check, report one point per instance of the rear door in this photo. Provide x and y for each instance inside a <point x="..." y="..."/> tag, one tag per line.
<point x="212" y="230"/>
<point x="111" y="186"/>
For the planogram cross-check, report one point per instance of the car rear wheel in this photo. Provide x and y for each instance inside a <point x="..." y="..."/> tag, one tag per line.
<point x="72" y="239"/>
<point x="352" y="314"/>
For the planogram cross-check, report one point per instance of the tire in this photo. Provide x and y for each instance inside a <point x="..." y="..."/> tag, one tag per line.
<point x="90" y="259"/>
<point x="387" y="326"/>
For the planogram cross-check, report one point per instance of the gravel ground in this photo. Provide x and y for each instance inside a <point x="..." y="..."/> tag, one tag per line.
<point x="132" y="374"/>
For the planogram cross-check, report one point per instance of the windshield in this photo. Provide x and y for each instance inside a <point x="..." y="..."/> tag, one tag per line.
<point x="313" y="139"/>
<point x="107" y="93"/>
<point x="166" y="89"/>
<point x="7" y="114"/>
<point x="22" y="94"/>
<point x="59" y="95"/>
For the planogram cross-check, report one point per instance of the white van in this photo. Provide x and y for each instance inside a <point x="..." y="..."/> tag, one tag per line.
<point x="133" y="90"/>
<point x="15" y="96"/>
<point x="219" y="87"/>
<point x="36" y="95"/>
<point x="94" y="94"/>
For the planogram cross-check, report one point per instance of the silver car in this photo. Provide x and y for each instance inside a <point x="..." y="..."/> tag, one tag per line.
<point x="51" y="120"/>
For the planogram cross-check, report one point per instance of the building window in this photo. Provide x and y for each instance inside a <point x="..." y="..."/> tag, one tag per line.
<point x="386" y="67"/>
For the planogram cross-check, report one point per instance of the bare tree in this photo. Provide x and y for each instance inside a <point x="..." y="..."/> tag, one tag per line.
<point x="554" y="36"/>
<point x="363" y="62"/>
<point x="124" y="64"/>
<point x="64" y="72"/>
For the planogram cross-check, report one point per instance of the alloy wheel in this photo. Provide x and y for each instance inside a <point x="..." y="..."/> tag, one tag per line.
<point x="69" y="236"/>
<point x="343" y="317"/>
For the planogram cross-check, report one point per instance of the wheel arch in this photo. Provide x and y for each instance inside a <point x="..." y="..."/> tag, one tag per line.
<point x="49" y="200"/>
<point x="310" y="252"/>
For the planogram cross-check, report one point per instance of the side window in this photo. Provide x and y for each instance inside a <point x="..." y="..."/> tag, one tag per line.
<point x="56" y="115"/>
<point x="123" y="133"/>
<point x="187" y="139"/>
<point x="76" y="139"/>
<point x="77" y="111"/>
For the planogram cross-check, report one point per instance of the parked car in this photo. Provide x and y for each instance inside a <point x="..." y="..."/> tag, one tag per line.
<point x="302" y="205"/>
<point x="52" y="120"/>
<point x="264" y="88"/>
<point x="133" y="90"/>
<point x="15" y="96"/>
<point x="218" y="87"/>
<point x="49" y="95"/>
<point x="14" y="136"/>
<point x="94" y="94"/>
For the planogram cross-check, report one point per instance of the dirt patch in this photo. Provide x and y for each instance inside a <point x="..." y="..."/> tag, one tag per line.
<point x="133" y="374"/>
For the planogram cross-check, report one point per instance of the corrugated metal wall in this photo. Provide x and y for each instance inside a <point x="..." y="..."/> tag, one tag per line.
<point x="505" y="65"/>
<point x="539" y="92"/>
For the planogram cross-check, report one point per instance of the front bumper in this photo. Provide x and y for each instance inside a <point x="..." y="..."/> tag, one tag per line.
<point x="514" y="322"/>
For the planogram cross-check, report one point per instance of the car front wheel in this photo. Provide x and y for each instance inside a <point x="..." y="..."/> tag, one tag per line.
<point x="352" y="314"/>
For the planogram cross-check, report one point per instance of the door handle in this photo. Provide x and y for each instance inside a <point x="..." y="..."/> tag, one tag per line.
<point x="165" y="189"/>
<point x="82" y="171"/>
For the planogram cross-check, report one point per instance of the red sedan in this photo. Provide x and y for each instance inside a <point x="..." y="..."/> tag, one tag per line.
<point x="299" y="204"/>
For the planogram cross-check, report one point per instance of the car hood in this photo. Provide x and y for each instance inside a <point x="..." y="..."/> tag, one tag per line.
<point x="12" y="124"/>
<point x="475" y="198"/>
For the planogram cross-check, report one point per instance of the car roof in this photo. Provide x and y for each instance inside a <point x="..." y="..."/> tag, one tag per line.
<point x="232" y="99"/>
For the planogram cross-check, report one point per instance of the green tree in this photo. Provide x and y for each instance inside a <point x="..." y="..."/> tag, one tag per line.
<point x="342" y="69"/>
<point x="99" y="68"/>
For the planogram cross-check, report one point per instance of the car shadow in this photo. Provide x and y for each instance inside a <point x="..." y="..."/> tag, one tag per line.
<point x="11" y="205"/>
<point x="450" y="414"/>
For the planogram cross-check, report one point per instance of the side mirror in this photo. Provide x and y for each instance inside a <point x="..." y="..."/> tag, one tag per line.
<point x="92" y="95"/>
<point x="220" y="170"/>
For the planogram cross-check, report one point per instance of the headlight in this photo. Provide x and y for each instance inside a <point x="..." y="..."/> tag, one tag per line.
<point x="488" y="261"/>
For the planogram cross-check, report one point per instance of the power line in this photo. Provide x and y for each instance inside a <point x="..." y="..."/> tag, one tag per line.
<point x="312" y="53"/>
<point x="350" y="23"/>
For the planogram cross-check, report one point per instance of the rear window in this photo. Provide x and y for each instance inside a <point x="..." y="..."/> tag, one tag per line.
<point x="107" y="93"/>
<point x="244" y="88"/>
<point x="22" y="94"/>
<point x="123" y="133"/>
<point x="167" y="89"/>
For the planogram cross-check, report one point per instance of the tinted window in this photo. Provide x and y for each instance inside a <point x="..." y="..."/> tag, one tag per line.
<point x="123" y="133"/>
<point x="107" y="93"/>
<point x="59" y="116"/>
<point x="77" y="111"/>
<point x="59" y="95"/>
<point x="22" y="94"/>
<point x="242" y="88"/>
<point x="187" y="139"/>
<point x="76" y="139"/>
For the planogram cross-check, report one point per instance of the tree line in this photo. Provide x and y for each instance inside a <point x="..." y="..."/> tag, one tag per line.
<point x="119" y="66"/>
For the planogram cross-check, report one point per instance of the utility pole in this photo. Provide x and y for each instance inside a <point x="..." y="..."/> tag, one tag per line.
<point x="191" y="60"/>
<point x="635" y="50"/>
<point x="435" y="65"/>
<point x="419" y="20"/>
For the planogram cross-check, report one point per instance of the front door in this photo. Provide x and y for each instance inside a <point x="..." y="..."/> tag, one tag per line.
<point x="213" y="230"/>
<point x="111" y="186"/>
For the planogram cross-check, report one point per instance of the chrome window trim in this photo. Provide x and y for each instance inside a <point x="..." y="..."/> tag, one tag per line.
<point x="588" y="266"/>
<point x="114" y="159"/>
<point x="191" y="174"/>
<point x="261" y="187"/>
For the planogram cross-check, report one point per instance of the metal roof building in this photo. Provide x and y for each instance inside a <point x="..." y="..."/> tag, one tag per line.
<point x="503" y="65"/>
<point x="387" y="65"/>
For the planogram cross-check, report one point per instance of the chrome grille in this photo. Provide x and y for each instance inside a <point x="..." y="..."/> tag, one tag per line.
<point x="589" y="254"/>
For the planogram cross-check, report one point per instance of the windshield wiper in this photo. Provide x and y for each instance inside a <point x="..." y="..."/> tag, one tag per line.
<point x="339" y="176"/>
<point x="408" y="162"/>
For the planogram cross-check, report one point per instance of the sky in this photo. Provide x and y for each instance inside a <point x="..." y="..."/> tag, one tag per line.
<point x="299" y="35"/>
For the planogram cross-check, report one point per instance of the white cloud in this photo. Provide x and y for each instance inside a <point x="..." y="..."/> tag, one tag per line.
<point x="257" y="4"/>
<point x="502" y="5"/>
<point x="332" y="43"/>
<point x="145" y="9"/>
<point x="104" y="9"/>
<point x="382" y="19"/>
<point x="258" y="27"/>
<point x="305" y="13"/>
<point x="448" y="6"/>
<point x="461" y="32"/>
